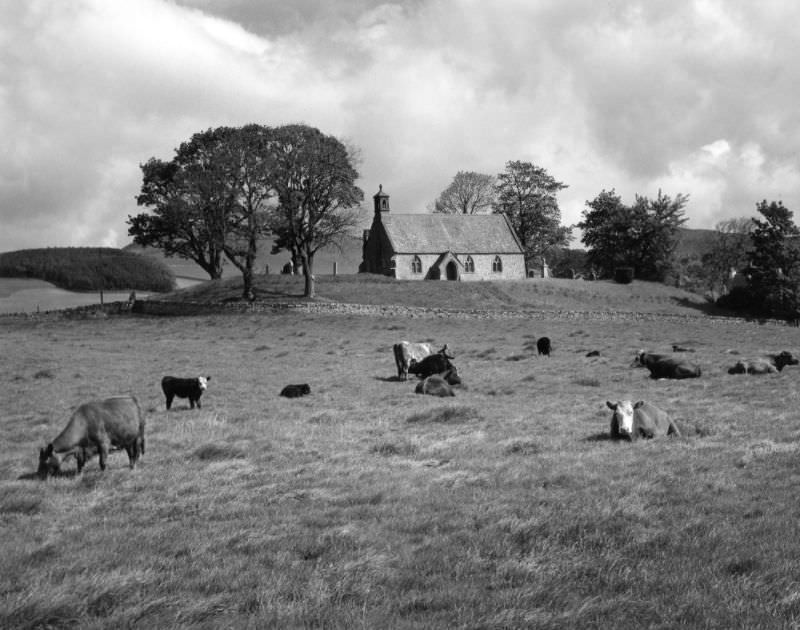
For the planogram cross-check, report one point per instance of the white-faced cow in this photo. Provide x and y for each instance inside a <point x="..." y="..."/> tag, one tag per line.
<point x="666" y="366"/>
<point x="96" y="428"/>
<point x="641" y="420"/>
<point x="191" y="388"/>
<point x="405" y="352"/>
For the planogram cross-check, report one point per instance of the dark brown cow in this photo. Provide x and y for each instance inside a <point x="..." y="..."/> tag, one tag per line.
<point x="96" y="428"/>
<point x="191" y="388"/>
<point x="640" y="420"/>
<point x="435" y="385"/>
<point x="666" y="366"/>
<point x="405" y="352"/>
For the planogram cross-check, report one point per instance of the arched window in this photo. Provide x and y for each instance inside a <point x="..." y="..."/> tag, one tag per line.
<point x="416" y="265"/>
<point x="497" y="265"/>
<point x="469" y="265"/>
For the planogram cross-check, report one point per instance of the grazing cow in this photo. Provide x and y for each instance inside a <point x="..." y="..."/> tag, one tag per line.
<point x="96" y="428"/>
<point x="191" y="388"/>
<point x="543" y="346"/>
<point x="632" y="421"/>
<point x="295" y="391"/>
<point x="437" y="363"/>
<point x="405" y="352"/>
<point x="435" y="385"/>
<point x="666" y="366"/>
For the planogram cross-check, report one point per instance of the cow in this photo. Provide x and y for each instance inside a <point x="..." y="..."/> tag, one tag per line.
<point x="191" y="388"/>
<point x="593" y="353"/>
<point x="666" y="366"/>
<point x="641" y="420"/>
<point x="543" y="346"/>
<point x="435" y="385"/>
<point x="405" y="352"/>
<point x="770" y="364"/>
<point x="295" y="391"/>
<point x="437" y="363"/>
<point x="451" y="376"/>
<point x="97" y="427"/>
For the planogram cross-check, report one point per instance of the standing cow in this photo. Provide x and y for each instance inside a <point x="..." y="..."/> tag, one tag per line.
<point x="96" y="428"/>
<point x="191" y="388"/>
<point x="405" y="352"/>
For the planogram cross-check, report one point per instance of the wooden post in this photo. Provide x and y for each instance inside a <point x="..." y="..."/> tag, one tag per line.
<point x="334" y="267"/>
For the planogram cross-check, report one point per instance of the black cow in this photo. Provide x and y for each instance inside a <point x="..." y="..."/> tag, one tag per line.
<point x="784" y="358"/>
<point x="296" y="390"/>
<point x="543" y="346"/>
<point x="437" y="363"/>
<point x="191" y="388"/>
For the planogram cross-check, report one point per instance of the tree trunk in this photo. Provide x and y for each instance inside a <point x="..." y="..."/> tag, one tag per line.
<point x="308" y="273"/>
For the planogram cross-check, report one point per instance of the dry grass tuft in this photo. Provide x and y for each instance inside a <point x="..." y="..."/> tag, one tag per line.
<point x="456" y="413"/>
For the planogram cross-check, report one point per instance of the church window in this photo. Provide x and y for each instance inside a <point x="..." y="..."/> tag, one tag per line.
<point x="497" y="265"/>
<point x="416" y="265"/>
<point x="469" y="265"/>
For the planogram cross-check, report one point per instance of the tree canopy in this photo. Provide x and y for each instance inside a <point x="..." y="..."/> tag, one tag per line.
<point x="641" y="236"/>
<point x="468" y="193"/>
<point x="526" y="194"/>
<point x="227" y="188"/>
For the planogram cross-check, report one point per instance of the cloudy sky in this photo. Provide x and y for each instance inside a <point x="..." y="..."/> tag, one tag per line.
<point x="697" y="97"/>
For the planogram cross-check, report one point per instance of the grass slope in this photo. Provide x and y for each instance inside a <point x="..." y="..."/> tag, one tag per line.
<point x="366" y="505"/>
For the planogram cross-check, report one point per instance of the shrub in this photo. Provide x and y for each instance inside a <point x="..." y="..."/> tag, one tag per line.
<point x="623" y="275"/>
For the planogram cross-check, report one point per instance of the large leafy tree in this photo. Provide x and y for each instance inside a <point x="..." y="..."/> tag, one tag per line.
<point x="775" y="259"/>
<point x="526" y="194"/>
<point x="190" y="198"/>
<point x="468" y="193"/>
<point x="642" y="236"/>
<point x="730" y="250"/>
<point x="314" y="179"/>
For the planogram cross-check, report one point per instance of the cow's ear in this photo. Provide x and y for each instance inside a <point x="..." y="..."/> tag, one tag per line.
<point x="611" y="405"/>
<point x="208" y="378"/>
<point x="638" y="404"/>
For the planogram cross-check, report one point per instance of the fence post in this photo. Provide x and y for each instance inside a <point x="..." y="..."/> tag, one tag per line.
<point x="335" y="264"/>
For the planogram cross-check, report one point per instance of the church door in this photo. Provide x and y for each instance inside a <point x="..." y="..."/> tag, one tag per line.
<point x="452" y="271"/>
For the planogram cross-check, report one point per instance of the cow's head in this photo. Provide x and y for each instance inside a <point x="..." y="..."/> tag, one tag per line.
<point x="785" y="358"/>
<point x="49" y="464"/>
<point x="622" y="419"/>
<point x="202" y="382"/>
<point x="639" y="360"/>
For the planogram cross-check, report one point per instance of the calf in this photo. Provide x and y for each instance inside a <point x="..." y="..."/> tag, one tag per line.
<point x="295" y="391"/>
<point x="191" y="388"/>
<point x="438" y="363"/>
<point x="97" y="427"/>
<point x="543" y="346"/>
<point x="435" y="385"/>
<point x="405" y="352"/>
<point x="632" y="421"/>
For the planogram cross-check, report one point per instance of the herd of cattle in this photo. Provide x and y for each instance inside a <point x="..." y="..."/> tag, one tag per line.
<point x="98" y="427"/>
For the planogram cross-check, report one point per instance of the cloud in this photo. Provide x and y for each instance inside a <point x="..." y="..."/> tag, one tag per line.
<point x="692" y="97"/>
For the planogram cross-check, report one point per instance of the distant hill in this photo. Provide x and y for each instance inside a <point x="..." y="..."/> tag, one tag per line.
<point x="347" y="260"/>
<point x="87" y="268"/>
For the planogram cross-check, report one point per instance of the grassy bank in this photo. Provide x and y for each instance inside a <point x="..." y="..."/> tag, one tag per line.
<point x="88" y="269"/>
<point x="365" y="505"/>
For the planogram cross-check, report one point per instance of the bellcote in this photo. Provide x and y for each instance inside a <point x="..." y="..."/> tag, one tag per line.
<point x="381" y="200"/>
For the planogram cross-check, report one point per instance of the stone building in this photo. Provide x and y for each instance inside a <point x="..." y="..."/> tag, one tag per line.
<point x="441" y="246"/>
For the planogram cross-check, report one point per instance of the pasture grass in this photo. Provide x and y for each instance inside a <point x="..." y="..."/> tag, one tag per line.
<point x="365" y="505"/>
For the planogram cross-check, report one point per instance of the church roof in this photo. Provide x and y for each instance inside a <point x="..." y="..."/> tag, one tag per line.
<point x="460" y="233"/>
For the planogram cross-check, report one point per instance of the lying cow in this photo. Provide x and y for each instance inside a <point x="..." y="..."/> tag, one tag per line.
<point x="405" y="352"/>
<point x="666" y="366"/>
<point x="764" y="365"/>
<point x="435" y="385"/>
<point x="191" y="388"/>
<point x="632" y="421"/>
<point x="96" y="428"/>
<point x="296" y="391"/>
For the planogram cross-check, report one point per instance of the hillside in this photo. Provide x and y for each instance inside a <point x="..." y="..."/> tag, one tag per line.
<point x="88" y="268"/>
<point x="347" y="260"/>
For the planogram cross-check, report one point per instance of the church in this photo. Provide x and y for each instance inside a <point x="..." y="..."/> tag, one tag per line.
<point x="441" y="246"/>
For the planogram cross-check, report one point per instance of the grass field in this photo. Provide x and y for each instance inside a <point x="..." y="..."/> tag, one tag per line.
<point x="367" y="506"/>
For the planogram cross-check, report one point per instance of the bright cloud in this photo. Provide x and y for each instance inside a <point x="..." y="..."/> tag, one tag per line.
<point x="690" y="97"/>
